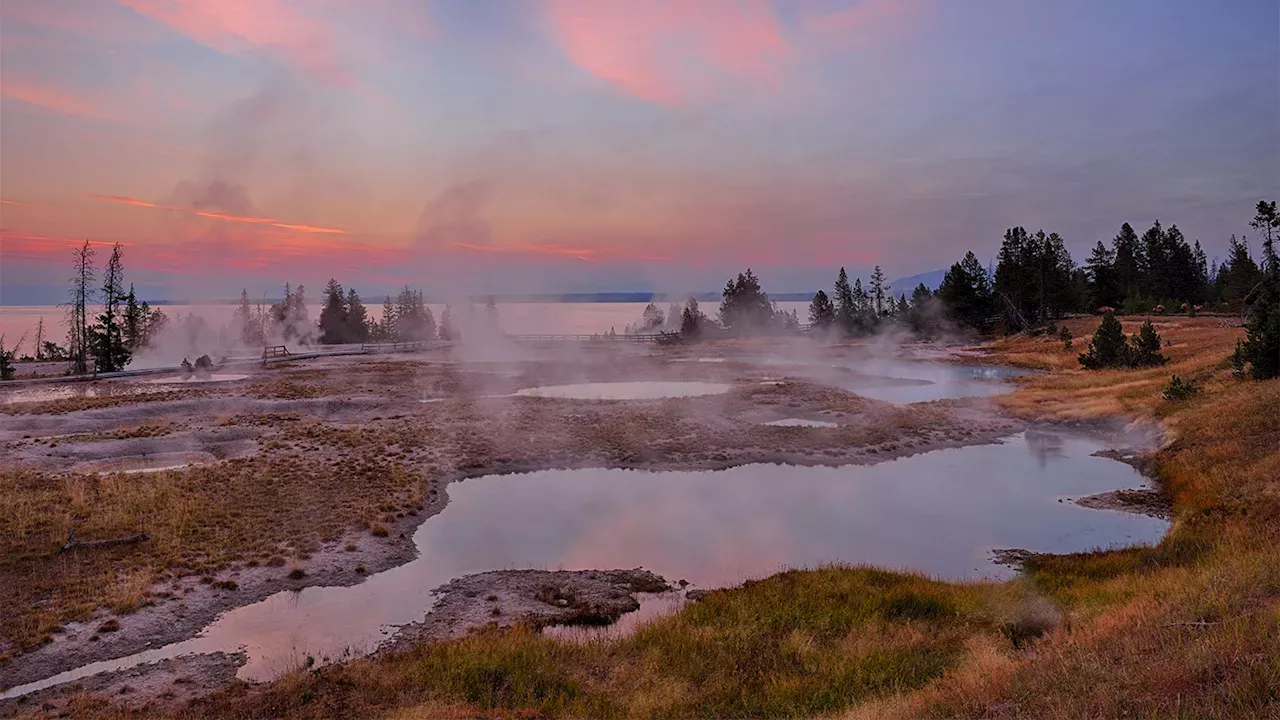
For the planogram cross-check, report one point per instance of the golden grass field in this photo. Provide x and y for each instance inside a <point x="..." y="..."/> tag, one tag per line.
<point x="1187" y="629"/>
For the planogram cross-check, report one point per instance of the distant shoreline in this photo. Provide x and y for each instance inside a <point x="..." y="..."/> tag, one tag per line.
<point x="608" y="297"/>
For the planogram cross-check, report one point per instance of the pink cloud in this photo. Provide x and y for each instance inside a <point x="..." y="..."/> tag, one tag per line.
<point x="51" y="98"/>
<point x="237" y="26"/>
<point x="253" y="220"/>
<point x="672" y="51"/>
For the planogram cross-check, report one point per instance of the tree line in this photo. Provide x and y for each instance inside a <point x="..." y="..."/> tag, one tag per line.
<point x="102" y="343"/>
<point x="1035" y="280"/>
<point x="344" y="318"/>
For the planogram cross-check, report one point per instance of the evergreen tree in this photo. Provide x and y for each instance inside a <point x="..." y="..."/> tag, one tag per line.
<point x="877" y="293"/>
<point x="1033" y="277"/>
<point x="1267" y="221"/>
<point x="246" y="322"/>
<point x="1144" y="348"/>
<point x="692" y="321"/>
<point x="414" y="321"/>
<point x="845" y="305"/>
<point x="652" y="319"/>
<point x="745" y="307"/>
<point x="108" y="335"/>
<point x="357" y="318"/>
<point x="78" y="344"/>
<point x="1129" y="260"/>
<point x="333" y="317"/>
<point x="7" y="370"/>
<point x="1108" y="347"/>
<point x="1259" y="353"/>
<point x="1104" y="283"/>
<point x="447" y="329"/>
<point x="388" y="331"/>
<point x="1238" y="275"/>
<point x="134" y="321"/>
<point x="966" y="294"/>
<point x="822" y="313"/>
<point x="40" y="339"/>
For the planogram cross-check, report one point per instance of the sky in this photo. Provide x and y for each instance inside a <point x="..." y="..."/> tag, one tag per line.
<point x="589" y="145"/>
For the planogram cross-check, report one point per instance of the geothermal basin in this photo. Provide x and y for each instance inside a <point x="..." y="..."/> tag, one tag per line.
<point x="941" y="512"/>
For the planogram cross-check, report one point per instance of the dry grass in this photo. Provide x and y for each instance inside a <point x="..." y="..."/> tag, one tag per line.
<point x="798" y="643"/>
<point x="199" y="521"/>
<point x="1189" y="628"/>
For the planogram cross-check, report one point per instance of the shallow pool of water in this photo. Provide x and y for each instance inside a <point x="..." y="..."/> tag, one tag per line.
<point x="49" y="393"/>
<point x="195" y="379"/>
<point x="145" y="463"/>
<point x="940" y="512"/>
<point x="639" y="390"/>
<point x="801" y="422"/>
<point x="899" y="381"/>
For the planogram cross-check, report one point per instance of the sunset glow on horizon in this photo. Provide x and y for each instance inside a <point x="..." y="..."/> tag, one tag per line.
<point x="575" y="145"/>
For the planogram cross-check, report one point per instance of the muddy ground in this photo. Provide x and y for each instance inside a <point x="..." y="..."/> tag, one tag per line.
<point x="316" y="472"/>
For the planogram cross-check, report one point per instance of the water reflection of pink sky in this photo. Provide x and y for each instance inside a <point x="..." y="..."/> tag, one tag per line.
<point x="939" y="512"/>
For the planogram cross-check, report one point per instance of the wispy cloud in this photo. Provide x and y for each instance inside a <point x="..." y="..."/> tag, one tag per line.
<point x="125" y="200"/>
<point x="672" y="51"/>
<point x="51" y="98"/>
<point x="274" y="27"/>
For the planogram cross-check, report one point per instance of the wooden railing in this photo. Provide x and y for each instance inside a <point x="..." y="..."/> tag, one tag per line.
<point x="406" y="346"/>
<point x="275" y="351"/>
<point x="561" y="337"/>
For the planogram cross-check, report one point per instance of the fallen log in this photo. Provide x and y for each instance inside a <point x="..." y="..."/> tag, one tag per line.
<point x="74" y="542"/>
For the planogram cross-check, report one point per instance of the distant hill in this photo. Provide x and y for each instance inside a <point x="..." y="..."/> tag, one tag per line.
<point x="931" y="280"/>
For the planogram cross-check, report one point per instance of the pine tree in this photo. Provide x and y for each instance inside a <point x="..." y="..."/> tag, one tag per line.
<point x="822" y="313"/>
<point x="447" y="330"/>
<point x="965" y="293"/>
<point x="1267" y="222"/>
<point x="7" y="371"/>
<point x="1108" y="347"/>
<point x="333" y="318"/>
<point x="388" y="326"/>
<point x="1129" y="260"/>
<point x="1104" y="285"/>
<point x="357" y="318"/>
<point x="81" y="292"/>
<point x="134" y="321"/>
<point x="246" y="322"/>
<point x="744" y="306"/>
<point x="877" y="291"/>
<point x="845" y="305"/>
<point x="1144" y="350"/>
<point x="692" y="321"/>
<point x="40" y="339"/>
<point x="1238" y="275"/>
<point x="107" y="336"/>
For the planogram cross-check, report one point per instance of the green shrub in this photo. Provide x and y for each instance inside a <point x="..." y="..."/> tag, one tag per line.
<point x="1259" y="352"/>
<point x="1065" y="336"/>
<point x="1145" y="350"/>
<point x="1108" y="347"/>
<point x="1179" y="389"/>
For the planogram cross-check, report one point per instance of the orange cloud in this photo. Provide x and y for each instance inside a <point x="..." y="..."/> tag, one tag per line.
<point x="34" y="93"/>
<point x="124" y="200"/>
<point x="672" y="51"/>
<point x="235" y="26"/>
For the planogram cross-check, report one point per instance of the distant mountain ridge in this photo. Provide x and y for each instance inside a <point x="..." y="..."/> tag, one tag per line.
<point x="931" y="280"/>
